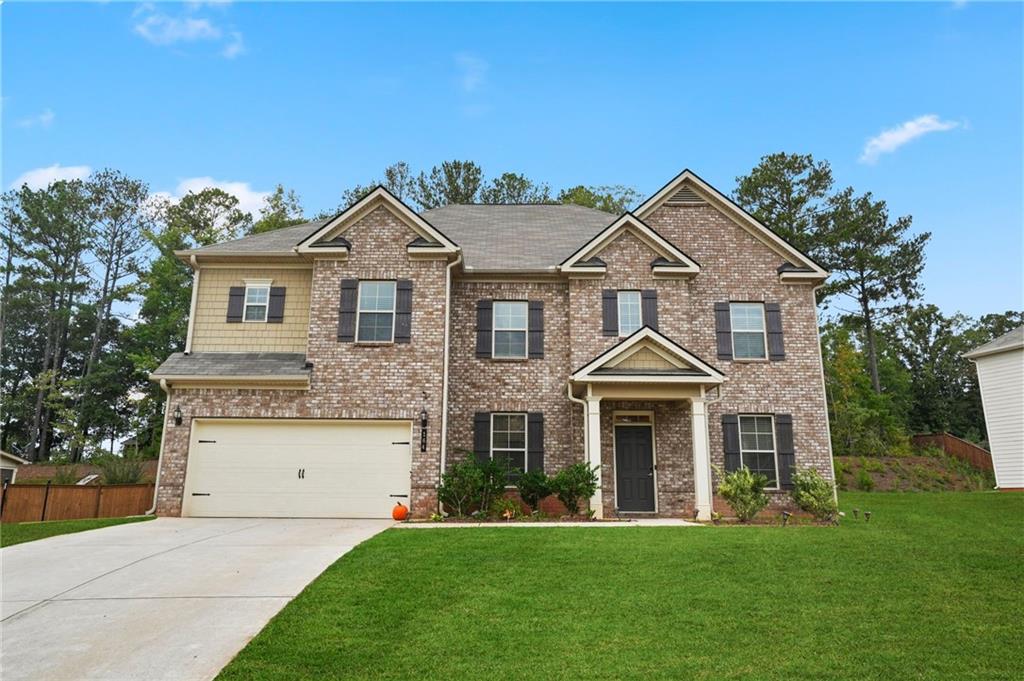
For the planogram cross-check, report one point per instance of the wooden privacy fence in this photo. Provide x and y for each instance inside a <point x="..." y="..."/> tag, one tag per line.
<point x="954" y="446"/>
<point x="26" y="503"/>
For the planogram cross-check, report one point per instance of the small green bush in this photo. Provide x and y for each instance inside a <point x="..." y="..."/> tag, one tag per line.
<point x="64" y="474"/>
<point x="744" y="492"/>
<point x="460" y="487"/>
<point x="533" y="486"/>
<point x="119" y="470"/>
<point x="506" y="509"/>
<point x="574" y="483"/>
<point x="871" y="465"/>
<point x="865" y="481"/>
<point x="494" y="477"/>
<point x="813" y="494"/>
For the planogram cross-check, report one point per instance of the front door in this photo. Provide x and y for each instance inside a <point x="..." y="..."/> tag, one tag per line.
<point x="634" y="468"/>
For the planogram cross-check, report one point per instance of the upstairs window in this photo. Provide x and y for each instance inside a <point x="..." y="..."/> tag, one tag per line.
<point x="257" y="299"/>
<point x="757" y="446"/>
<point x="375" y="315"/>
<point x="510" y="329"/>
<point x="631" y="316"/>
<point x="748" y="335"/>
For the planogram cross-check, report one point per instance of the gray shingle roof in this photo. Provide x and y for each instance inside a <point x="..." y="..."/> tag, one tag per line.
<point x="518" y="237"/>
<point x="492" y="237"/>
<point x="275" y="364"/>
<point x="1008" y="341"/>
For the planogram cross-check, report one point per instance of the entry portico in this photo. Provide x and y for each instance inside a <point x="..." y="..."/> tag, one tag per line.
<point x="649" y="370"/>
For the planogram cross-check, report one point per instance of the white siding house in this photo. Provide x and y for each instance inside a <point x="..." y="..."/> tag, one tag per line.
<point x="1000" y="367"/>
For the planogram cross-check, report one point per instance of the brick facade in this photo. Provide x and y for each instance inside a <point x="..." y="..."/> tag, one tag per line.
<point x="397" y="381"/>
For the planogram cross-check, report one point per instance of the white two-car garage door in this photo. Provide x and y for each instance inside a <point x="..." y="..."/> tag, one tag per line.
<point x="294" y="468"/>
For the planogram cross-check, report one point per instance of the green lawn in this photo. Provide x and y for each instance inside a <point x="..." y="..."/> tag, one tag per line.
<point x="932" y="587"/>
<point x="18" y="533"/>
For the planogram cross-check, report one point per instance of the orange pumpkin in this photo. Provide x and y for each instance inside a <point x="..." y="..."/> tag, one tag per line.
<point x="400" y="512"/>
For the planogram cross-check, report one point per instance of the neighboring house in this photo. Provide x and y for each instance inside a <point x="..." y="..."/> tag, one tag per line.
<point x="334" y="367"/>
<point x="1000" y="365"/>
<point x="9" y="464"/>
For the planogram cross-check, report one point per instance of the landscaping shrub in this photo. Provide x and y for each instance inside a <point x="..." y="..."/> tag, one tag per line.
<point x="506" y="509"/>
<point x="744" y="492"/>
<point x="460" y="487"/>
<point x="865" y="481"/>
<point x="64" y="474"/>
<point x="871" y="465"/>
<point x="119" y="470"/>
<point x="533" y="486"/>
<point x="573" y="484"/>
<point x="813" y="494"/>
<point x="493" y="478"/>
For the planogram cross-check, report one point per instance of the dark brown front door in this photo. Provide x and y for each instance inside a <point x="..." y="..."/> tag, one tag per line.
<point x="634" y="469"/>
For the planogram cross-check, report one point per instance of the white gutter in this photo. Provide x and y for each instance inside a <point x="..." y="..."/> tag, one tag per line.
<point x="824" y="393"/>
<point x="586" y="430"/>
<point x="163" y="443"/>
<point x="444" y="374"/>
<point x="192" y="307"/>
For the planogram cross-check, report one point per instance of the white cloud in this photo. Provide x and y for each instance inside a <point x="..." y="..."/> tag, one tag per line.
<point x="249" y="199"/>
<point x="235" y="47"/>
<point x="44" y="119"/>
<point x="187" y="26"/>
<point x="472" y="71"/>
<point x="959" y="4"/>
<point x="892" y="139"/>
<point x="40" y="178"/>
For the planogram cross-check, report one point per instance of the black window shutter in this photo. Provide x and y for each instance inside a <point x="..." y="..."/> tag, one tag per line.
<point x="649" y="308"/>
<point x="610" y="312"/>
<point x="784" y="449"/>
<point x="275" y="309"/>
<point x="482" y="436"/>
<point x="535" y="324"/>
<point x="723" y="330"/>
<point x="731" y="441"/>
<point x="347" y="310"/>
<point x="773" y="320"/>
<point x="484" y="321"/>
<point x="403" y="311"/>
<point x="535" y="441"/>
<point x="236" y="303"/>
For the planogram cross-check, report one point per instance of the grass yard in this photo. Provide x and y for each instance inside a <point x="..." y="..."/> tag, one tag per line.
<point x="932" y="587"/>
<point x="19" y="533"/>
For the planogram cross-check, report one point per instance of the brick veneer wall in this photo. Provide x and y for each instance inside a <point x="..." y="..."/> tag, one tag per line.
<point x="537" y="385"/>
<point x="348" y="380"/>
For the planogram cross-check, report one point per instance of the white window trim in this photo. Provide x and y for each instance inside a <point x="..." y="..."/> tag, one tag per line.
<point x="495" y="330"/>
<point x="618" y="309"/>
<point x="526" y="438"/>
<point x="764" y="332"/>
<point x="775" y="446"/>
<point x="359" y="309"/>
<point x="256" y="284"/>
<point x="615" y="458"/>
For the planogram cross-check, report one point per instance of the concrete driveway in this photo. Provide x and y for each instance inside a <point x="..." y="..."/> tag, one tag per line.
<point x="172" y="598"/>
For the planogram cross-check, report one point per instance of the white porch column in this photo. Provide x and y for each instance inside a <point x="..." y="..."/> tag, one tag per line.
<point x="701" y="459"/>
<point x="593" y="417"/>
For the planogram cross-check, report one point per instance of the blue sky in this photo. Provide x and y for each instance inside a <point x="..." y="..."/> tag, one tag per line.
<point x="321" y="96"/>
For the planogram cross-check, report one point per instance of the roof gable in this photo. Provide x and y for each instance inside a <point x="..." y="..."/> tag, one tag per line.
<point x="649" y="356"/>
<point x="330" y="237"/>
<point x="669" y="261"/>
<point x="688" y="188"/>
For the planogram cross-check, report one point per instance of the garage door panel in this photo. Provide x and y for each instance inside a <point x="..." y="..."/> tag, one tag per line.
<point x="251" y="468"/>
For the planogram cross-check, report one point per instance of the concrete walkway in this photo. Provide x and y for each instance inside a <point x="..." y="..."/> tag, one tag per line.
<point x="172" y="598"/>
<point x="639" y="522"/>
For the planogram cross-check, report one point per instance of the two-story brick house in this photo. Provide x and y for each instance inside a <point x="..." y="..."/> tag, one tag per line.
<point x="334" y="367"/>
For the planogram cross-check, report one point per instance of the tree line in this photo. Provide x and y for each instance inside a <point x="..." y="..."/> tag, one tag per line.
<point x="93" y="298"/>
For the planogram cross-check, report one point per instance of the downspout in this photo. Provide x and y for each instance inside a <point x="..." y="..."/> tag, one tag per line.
<point x="192" y="306"/>
<point x="163" y="444"/>
<point x="824" y="393"/>
<point x="444" y="369"/>
<point x="586" y="430"/>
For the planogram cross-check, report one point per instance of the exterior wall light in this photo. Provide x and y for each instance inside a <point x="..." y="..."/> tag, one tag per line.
<point x="177" y="416"/>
